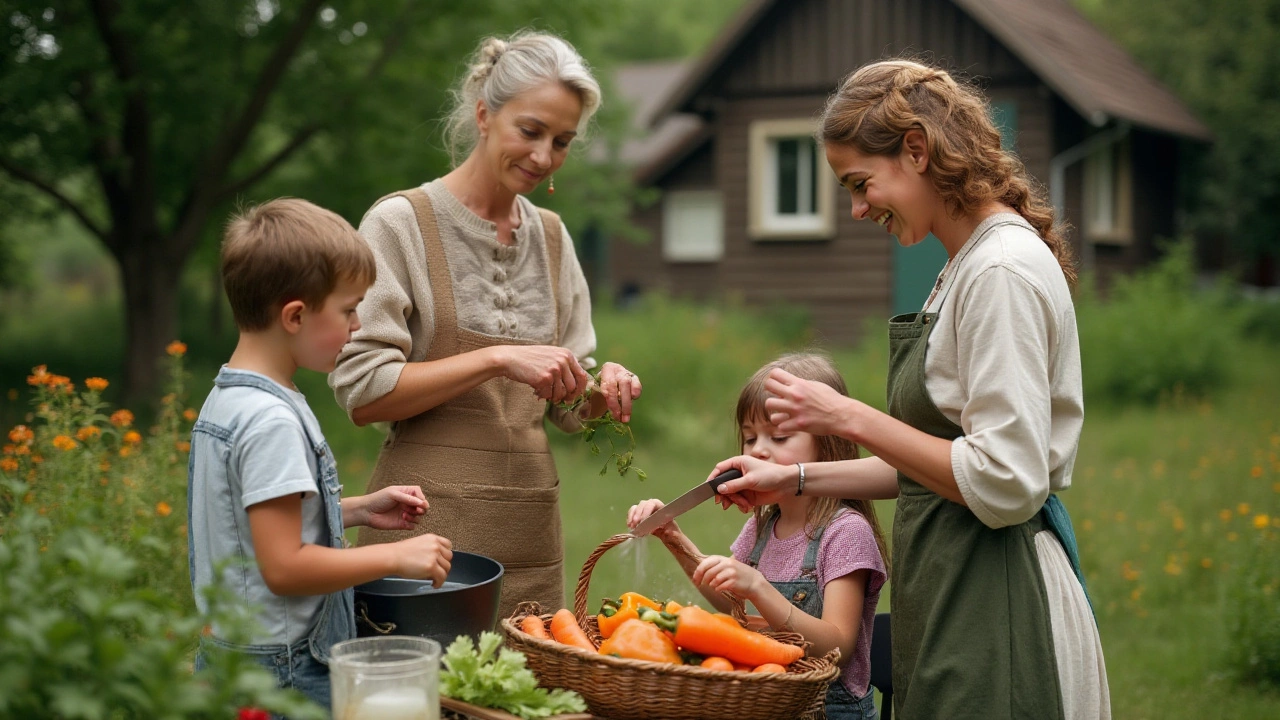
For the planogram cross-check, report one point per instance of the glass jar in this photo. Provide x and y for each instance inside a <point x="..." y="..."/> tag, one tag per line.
<point x="394" y="677"/>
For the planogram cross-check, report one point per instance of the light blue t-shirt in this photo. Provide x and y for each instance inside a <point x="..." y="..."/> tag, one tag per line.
<point x="265" y="455"/>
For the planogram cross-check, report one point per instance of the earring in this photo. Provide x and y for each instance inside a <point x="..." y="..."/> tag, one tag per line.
<point x="551" y="185"/>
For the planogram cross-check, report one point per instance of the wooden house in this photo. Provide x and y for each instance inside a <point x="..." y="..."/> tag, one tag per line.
<point x="748" y="205"/>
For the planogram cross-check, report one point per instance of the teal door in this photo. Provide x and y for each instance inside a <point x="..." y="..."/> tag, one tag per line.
<point x="915" y="269"/>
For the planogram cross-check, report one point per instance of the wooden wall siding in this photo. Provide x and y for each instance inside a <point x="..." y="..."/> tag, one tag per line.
<point x="842" y="280"/>
<point x="811" y="44"/>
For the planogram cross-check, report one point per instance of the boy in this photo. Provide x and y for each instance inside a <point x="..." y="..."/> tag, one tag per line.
<point x="262" y="482"/>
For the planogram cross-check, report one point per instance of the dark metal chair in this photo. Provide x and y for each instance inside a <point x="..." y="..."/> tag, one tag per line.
<point x="882" y="665"/>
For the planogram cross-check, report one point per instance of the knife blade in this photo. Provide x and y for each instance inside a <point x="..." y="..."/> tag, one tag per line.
<point x="684" y="503"/>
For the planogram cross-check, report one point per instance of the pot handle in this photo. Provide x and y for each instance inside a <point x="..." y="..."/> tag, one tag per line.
<point x="362" y="613"/>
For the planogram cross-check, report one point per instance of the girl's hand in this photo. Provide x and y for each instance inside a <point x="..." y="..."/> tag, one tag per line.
<point x="724" y="574"/>
<point x="553" y="372"/>
<point x="620" y="387"/>
<point x="762" y="482"/>
<point x="644" y="509"/>
<point x="396" y="507"/>
<point x="805" y="406"/>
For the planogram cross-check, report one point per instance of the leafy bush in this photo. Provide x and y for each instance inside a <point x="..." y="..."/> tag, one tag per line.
<point x="99" y="620"/>
<point x="1255" y="607"/>
<point x="1156" y="336"/>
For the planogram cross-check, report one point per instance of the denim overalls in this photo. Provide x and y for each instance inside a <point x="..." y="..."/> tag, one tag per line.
<point x="804" y="593"/>
<point x="302" y="665"/>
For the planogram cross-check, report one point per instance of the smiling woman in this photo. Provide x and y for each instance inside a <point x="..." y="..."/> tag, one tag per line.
<point x="480" y="321"/>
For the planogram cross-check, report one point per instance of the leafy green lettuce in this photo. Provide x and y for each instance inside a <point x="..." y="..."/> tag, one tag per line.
<point x="492" y="676"/>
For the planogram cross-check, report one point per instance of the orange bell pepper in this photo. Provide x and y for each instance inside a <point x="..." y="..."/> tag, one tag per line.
<point x="640" y="640"/>
<point x="615" y="612"/>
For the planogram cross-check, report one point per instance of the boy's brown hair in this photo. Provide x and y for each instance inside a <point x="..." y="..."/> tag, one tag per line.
<point x="284" y="250"/>
<point x="817" y="367"/>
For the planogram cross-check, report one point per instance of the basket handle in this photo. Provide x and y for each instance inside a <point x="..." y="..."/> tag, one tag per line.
<point x="738" y="608"/>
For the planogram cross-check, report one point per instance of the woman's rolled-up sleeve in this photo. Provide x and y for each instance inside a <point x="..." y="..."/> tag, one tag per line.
<point x="1005" y="330"/>
<point x="369" y="366"/>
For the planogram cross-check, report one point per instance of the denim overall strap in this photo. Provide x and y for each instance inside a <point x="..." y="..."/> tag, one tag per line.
<point x="336" y="621"/>
<point x="806" y="595"/>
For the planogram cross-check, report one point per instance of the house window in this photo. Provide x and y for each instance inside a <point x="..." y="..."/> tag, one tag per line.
<point x="692" y="226"/>
<point x="791" y="188"/>
<point x="1108" y="195"/>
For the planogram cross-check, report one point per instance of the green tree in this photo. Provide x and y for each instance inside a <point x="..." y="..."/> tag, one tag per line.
<point x="146" y="120"/>
<point x="1221" y="59"/>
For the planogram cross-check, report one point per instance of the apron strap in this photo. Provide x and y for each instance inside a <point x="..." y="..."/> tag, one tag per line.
<point x="445" y="342"/>
<point x="555" y="251"/>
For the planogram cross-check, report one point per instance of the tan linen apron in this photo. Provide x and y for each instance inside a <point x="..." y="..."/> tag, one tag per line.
<point x="482" y="458"/>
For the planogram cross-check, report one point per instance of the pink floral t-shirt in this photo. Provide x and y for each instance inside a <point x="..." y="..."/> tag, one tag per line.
<point x="847" y="545"/>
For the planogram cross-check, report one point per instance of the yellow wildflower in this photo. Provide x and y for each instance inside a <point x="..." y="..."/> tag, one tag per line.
<point x="1172" y="566"/>
<point x="1087" y="525"/>
<point x="1136" y="594"/>
<point x="176" y="349"/>
<point x="1275" y="486"/>
<point x="1255" y="471"/>
<point x="1130" y="573"/>
<point x="163" y="509"/>
<point x="1206" y="563"/>
<point x="96" y="384"/>
<point x="62" y="442"/>
<point x="8" y="464"/>
<point x="1224" y="515"/>
<point x="1243" y="508"/>
<point x="133" y="437"/>
<point x="189" y="415"/>
<point x="1261" y="521"/>
<point x="87" y="432"/>
<point x="1120" y="517"/>
<point x="1179" y="524"/>
<point x="122" y="418"/>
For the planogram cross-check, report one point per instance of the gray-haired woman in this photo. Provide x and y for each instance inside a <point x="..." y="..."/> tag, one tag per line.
<point x="481" y="317"/>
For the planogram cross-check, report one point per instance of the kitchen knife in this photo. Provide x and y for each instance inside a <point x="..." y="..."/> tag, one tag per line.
<point x="684" y="503"/>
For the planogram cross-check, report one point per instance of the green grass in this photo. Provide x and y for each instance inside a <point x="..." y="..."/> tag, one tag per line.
<point x="1150" y="482"/>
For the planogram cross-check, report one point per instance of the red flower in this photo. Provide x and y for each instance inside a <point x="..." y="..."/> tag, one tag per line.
<point x="253" y="714"/>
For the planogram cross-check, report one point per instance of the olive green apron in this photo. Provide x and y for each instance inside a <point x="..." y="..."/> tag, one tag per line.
<point x="971" y="626"/>
<point x="482" y="458"/>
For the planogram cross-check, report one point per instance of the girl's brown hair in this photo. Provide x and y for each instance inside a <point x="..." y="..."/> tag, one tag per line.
<point x="879" y="103"/>
<point x="818" y="368"/>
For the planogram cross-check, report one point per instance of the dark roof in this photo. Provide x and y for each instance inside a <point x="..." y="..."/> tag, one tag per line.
<point x="1085" y="67"/>
<point x="643" y="86"/>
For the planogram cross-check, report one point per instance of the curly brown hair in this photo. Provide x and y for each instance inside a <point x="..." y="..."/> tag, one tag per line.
<point x="879" y="103"/>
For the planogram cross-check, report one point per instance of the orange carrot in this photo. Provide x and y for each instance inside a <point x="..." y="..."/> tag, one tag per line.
<point x="532" y="625"/>
<point x="698" y="630"/>
<point x="717" y="663"/>
<point x="565" y="629"/>
<point x="770" y="668"/>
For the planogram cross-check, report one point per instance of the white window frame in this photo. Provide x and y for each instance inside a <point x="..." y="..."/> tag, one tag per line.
<point x="1108" y="195"/>
<point x="764" y="222"/>
<point x="679" y="208"/>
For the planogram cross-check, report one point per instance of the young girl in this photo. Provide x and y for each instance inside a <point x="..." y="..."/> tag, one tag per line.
<point x="810" y="565"/>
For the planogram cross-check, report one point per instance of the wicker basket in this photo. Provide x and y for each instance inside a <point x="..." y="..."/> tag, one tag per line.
<point x="626" y="689"/>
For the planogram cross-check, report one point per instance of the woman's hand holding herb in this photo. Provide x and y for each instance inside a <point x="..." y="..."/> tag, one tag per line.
<point x="553" y="372"/>
<point x="620" y="387"/>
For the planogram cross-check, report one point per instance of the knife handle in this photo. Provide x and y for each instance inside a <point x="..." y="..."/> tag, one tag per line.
<point x="724" y="477"/>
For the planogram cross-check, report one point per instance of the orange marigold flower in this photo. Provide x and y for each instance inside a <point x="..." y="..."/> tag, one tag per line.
<point x="176" y="348"/>
<point x="1261" y="521"/>
<point x="122" y="418"/>
<point x="8" y="464"/>
<point x="96" y="384"/>
<point x="183" y="446"/>
<point x="163" y="509"/>
<point x="22" y="434"/>
<point x="22" y="450"/>
<point x="126" y="451"/>
<point x="133" y="437"/>
<point x="62" y="442"/>
<point x="8" y="449"/>
<point x="87" y="432"/>
<point x="37" y="375"/>
<point x="37" y="458"/>
<point x="105" y="465"/>
<point x="189" y="415"/>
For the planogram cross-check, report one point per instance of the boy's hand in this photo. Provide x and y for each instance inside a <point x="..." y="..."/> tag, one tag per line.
<point x="396" y="507"/>
<point x="426" y="557"/>
<point x="644" y="509"/>
<point x="724" y="574"/>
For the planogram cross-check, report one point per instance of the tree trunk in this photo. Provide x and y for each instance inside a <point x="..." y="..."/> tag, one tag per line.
<point x="150" y="283"/>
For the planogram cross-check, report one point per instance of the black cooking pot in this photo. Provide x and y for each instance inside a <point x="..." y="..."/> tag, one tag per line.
<point x="466" y="604"/>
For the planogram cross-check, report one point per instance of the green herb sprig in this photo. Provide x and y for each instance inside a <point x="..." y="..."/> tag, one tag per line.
<point x="614" y="431"/>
